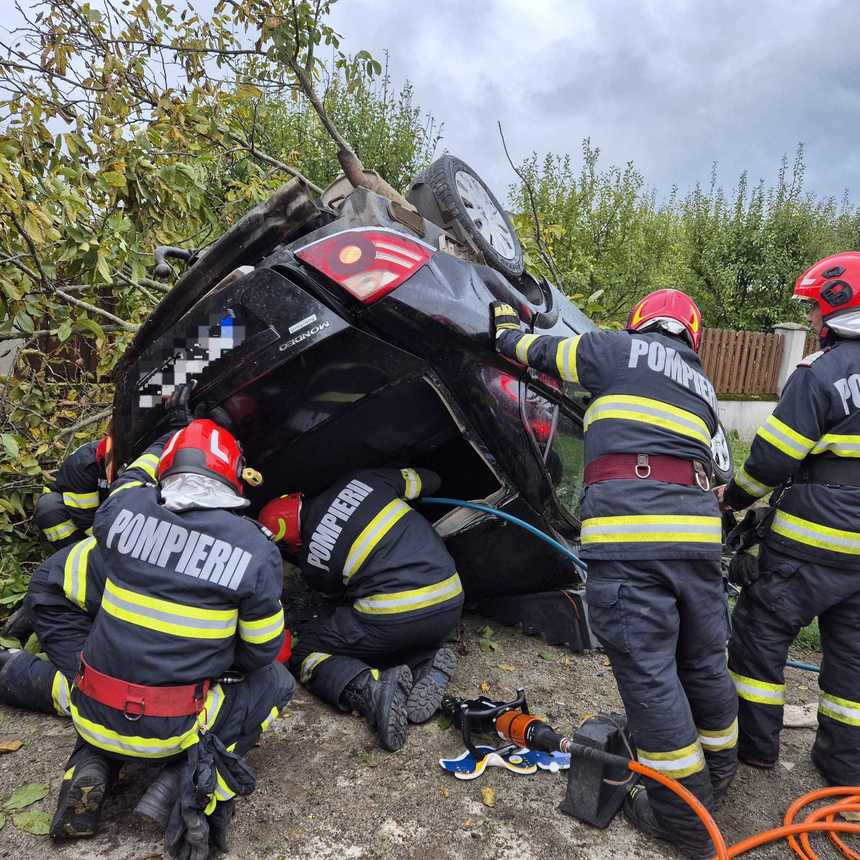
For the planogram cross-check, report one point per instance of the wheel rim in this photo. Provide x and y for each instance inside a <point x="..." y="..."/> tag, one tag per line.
<point x="485" y="215"/>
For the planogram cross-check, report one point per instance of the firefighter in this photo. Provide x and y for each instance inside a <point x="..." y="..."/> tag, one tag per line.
<point x="808" y="566"/>
<point x="62" y="616"/>
<point x="651" y="534"/>
<point x="65" y="511"/>
<point x="190" y="591"/>
<point x="395" y="594"/>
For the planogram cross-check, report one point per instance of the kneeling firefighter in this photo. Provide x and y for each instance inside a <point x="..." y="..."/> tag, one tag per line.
<point x="396" y="597"/>
<point x="651" y="533"/>
<point x="809" y="563"/>
<point x="191" y="591"/>
<point x="65" y="511"/>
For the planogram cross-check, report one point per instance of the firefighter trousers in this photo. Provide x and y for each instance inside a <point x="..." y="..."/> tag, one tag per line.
<point x="337" y="647"/>
<point x="664" y="627"/>
<point x="786" y="597"/>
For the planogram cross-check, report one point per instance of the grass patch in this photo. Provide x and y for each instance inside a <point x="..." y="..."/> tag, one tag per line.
<point x="740" y="450"/>
<point x="809" y="638"/>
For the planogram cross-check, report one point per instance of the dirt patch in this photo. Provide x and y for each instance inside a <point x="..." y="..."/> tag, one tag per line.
<point x="326" y="791"/>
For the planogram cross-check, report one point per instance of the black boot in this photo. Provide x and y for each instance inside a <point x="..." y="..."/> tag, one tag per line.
<point x="81" y="796"/>
<point x="159" y="798"/>
<point x="382" y="701"/>
<point x="6" y="654"/>
<point x="638" y="811"/>
<point x="430" y="682"/>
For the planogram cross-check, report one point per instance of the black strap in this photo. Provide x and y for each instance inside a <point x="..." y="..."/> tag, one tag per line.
<point x="823" y="469"/>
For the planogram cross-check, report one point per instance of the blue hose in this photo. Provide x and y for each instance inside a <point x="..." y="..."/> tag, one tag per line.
<point x="459" y="503"/>
<point x="807" y="667"/>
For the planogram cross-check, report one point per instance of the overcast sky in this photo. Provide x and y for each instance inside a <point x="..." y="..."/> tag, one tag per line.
<point x="669" y="84"/>
<point x="672" y="85"/>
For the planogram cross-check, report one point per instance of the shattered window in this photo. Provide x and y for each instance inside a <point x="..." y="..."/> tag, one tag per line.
<point x="566" y="463"/>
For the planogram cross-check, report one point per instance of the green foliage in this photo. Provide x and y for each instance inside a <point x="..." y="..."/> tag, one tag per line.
<point x="131" y="125"/>
<point x="737" y="254"/>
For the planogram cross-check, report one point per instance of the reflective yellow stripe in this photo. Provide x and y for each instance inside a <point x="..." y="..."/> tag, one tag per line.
<point x="262" y="629"/>
<point x="147" y="463"/>
<point x="840" y="445"/>
<point x="652" y="528"/>
<point x="222" y="792"/>
<point x="413" y="483"/>
<point x="814" y="534"/>
<point x="267" y="723"/>
<point x="750" y="485"/>
<point x="629" y="407"/>
<point x="675" y="763"/>
<point x="310" y="663"/>
<point x="565" y="359"/>
<point x="785" y="439"/>
<point x="164" y="616"/>
<point x="126" y="486"/>
<point x="762" y="692"/>
<point x="60" y="694"/>
<point x="69" y="773"/>
<point x="410" y="601"/>
<point x="75" y="572"/>
<point x="372" y="534"/>
<point x="140" y="747"/>
<point x="65" y="529"/>
<point x="523" y="344"/>
<point x="81" y="501"/>
<point x="841" y="710"/>
<point x="721" y="739"/>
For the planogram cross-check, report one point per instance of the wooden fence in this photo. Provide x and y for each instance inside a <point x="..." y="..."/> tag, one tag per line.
<point x="742" y="362"/>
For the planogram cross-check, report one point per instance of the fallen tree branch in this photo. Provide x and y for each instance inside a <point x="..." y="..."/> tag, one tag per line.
<point x="93" y="419"/>
<point x="270" y="160"/>
<point x="123" y="324"/>
<point x="42" y="332"/>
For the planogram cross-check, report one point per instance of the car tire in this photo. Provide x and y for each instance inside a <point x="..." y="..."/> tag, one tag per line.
<point x="450" y="179"/>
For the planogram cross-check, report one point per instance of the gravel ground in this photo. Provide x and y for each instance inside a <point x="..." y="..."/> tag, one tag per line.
<point x="326" y="791"/>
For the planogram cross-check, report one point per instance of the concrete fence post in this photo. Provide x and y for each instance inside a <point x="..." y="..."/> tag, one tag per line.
<point x="793" y="342"/>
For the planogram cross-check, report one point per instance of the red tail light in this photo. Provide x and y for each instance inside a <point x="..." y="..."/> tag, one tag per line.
<point x="368" y="264"/>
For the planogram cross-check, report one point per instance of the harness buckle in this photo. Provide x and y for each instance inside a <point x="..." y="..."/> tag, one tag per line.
<point x="642" y="468"/>
<point x="135" y="702"/>
<point x="702" y="478"/>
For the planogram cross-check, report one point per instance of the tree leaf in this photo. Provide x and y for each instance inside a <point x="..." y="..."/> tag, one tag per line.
<point x="25" y="795"/>
<point x="546" y="655"/>
<point x="64" y="332"/>
<point x="10" y="443"/>
<point x="33" y="646"/>
<point x="2" y="820"/>
<point x="249" y="91"/>
<point x="488" y="796"/>
<point x="11" y="746"/>
<point x="33" y="821"/>
<point x="9" y="642"/>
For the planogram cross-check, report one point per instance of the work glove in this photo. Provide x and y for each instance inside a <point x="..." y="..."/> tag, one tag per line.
<point x="186" y="836"/>
<point x="743" y="569"/>
<point x="503" y="317"/>
<point x="179" y="413"/>
<point x="221" y="417"/>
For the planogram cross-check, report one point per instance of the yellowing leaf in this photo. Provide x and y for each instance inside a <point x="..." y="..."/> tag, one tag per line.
<point x="488" y="796"/>
<point x="249" y="91"/>
<point x="37" y="823"/>
<point x="507" y="667"/>
<point x="485" y="687"/>
<point x="11" y="746"/>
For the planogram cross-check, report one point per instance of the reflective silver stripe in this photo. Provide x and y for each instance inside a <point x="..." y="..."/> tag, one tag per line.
<point x="81" y="501"/>
<point x="413" y="599"/>
<point x="565" y="359"/>
<point x="785" y="438"/>
<point x="750" y="485"/>
<point x="172" y="618"/>
<point x="60" y="694"/>
<point x="676" y="763"/>
<point x="310" y="663"/>
<point x="761" y="692"/>
<point x="522" y="348"/>
<point x="841" y="446"/>
<point x="714" y="741"/>
<point x="633" y="409"/>
<point x="375" y="530"/>
<point x="58" y="532"/>
<point x="262" y="629"/>
<point x="842" y="710"/>
<point x="815" y="534"/>
<point x="147" y="463"/>
<point x="75" y="572"/>
<point x="413" y="483"/>
<point x="661" y="528"/>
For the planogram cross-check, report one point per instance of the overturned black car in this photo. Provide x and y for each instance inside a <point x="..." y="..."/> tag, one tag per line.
<point x="347" y="331"/>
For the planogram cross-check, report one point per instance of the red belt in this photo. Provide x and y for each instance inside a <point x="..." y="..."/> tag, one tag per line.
<point x="647" y="467"/>
<point x="135" y="700"/>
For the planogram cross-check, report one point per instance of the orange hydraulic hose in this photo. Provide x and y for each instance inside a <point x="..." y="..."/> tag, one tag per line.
<point x="849" y="803"/>
<point x="692" y="801"/>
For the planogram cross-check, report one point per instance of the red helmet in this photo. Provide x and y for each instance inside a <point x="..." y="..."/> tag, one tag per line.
<point x="204" y="448"/>
<point x="668" y="306"/>
<point x="102" y="449"/>
<point x="283" y="518"/>
<point x="834" y="285"/>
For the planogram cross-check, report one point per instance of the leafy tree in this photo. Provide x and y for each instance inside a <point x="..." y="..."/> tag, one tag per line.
<point x="127" y="126"/>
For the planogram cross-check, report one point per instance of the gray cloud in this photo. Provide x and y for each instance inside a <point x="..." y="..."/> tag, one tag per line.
<point x="671" y="85"/>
